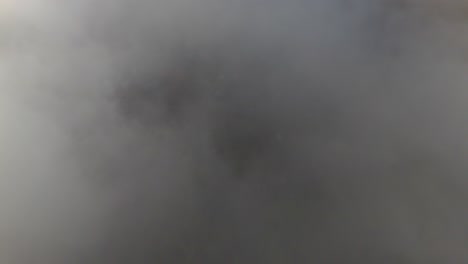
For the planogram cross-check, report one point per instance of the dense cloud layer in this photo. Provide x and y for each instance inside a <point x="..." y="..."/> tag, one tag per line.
<point x="211" y="131"/>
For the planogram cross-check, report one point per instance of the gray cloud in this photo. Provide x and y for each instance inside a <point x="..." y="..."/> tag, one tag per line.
<point x="213" y="131"/>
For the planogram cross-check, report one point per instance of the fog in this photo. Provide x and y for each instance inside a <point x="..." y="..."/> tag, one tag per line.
<point x="216" y="131"/>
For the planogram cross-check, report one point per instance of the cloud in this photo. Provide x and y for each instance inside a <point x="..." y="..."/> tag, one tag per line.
<point x="213" y="131"/>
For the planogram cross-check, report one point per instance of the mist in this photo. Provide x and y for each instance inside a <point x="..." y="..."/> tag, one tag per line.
<point x="215" y="131"/>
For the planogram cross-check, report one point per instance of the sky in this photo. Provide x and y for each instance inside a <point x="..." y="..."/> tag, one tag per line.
<point x="216" y="131"/>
